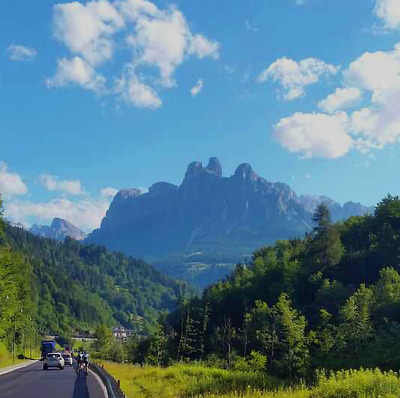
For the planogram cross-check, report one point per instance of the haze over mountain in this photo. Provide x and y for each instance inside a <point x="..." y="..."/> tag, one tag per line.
<point x="59" y="230"/>
<point x="201" y="228"/>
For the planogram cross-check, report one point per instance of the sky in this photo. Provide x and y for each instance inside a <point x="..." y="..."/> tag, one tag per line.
<point x="96" y="96"/>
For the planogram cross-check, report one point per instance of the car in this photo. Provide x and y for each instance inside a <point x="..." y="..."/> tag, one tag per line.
<point x="67" y="358"/>
<point x="54" y="360"/>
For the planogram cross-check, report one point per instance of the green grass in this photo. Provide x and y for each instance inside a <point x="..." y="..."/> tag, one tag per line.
<point x="6" y="357"/>
<point x="184" y="381"/>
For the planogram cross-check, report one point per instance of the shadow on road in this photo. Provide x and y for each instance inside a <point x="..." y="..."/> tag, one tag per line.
<point x="80" y="388"/>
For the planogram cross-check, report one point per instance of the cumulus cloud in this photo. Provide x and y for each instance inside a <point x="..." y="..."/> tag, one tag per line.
<point x="21" y="53"/>
<point x="373" y="77"/>
<point x="53" y="183"/>
<point x="379" y="74"/>
<point x="389" y="12"/>
<point x="202" y="47"/>
<point x="341" y="99"/>
<point x="294" y="76"/>
<point x="135" y="92"/>
<point x="87" y="29"/>
<point x="156" y="38"/>
<point x="11" y="184"/>
<point x="314" y="134"/>
<point x="196" y="89"/>
<point x="77" y="71"/>
<point x="85" y="214"/>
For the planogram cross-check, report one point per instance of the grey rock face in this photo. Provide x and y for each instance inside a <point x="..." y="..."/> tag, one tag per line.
<point x="59" y="229"/>
<point x="209" y="219"/>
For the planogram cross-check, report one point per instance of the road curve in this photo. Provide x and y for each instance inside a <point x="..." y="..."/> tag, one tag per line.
<point x="33" y="382"/>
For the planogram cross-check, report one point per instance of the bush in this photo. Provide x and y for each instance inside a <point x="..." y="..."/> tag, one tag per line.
<point x="257" y="361"/>
<point x="214" y="361"/>
<point x="361" y="383"/>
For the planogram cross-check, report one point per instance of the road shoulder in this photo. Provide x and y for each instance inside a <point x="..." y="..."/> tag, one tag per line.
<point x="12" y="368"/>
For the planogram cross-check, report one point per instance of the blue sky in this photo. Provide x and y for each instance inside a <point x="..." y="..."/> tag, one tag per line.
<point x="103" y="95"/>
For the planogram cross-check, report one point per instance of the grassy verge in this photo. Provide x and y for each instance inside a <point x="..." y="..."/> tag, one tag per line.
<point x="184" y="381"/>
<point x="6" y="357"/>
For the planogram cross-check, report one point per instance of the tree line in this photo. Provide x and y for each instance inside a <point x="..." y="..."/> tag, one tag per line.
<point x="330" y="300"/>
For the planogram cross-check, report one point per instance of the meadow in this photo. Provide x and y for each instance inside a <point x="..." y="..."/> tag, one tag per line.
<point x="183" y="381"/>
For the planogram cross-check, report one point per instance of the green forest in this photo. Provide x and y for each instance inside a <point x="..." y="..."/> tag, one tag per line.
<point x="52" y="287"/>
<point x="330" y="300"/>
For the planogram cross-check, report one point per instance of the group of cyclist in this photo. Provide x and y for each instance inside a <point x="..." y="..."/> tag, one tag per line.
<point x="82" y="360"/>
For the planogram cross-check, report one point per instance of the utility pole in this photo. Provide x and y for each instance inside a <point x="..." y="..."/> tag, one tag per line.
<point x="15" y="332"/>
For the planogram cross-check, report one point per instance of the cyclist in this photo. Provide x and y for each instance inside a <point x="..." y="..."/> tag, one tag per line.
<point x="79" y="361"/>
<point x="85" y="359"/>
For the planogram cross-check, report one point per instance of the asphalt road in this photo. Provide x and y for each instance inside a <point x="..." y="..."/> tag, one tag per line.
<point x="33" y="382"/>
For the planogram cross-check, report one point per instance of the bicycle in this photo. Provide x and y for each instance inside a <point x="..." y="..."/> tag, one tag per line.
<point x="82" y="369"/>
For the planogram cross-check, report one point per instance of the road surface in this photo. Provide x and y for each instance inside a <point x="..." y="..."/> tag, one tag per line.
<point x="33" y="382"/>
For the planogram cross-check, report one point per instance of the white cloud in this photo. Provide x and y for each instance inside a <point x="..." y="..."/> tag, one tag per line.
<point x="11" y="184"/>
<point x="314" y="134"/>
<point x="135" y="92"/>
<point x="77" y="71"/>
<point x="195" y="90"/>
<point x="53" y="183"/>
<point x="108" y="192"/>
<point x="389" y="12"/>
<point x="295" y="76"/>
<point x="21" y="53"/>
<point x="375" y="71"/>
<point x="86" y="214"/>
<point x="87" y="29"/>
<point x="378" y="73"/>
<point x="202" y="47"/>
<point x="341" y="99"/>
<point x="156" y="38"/>
<point x="161" y="42"/>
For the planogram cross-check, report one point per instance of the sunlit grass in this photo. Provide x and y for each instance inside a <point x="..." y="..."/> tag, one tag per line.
<point x="184" y="381"/>
<point x="6" y="357"/>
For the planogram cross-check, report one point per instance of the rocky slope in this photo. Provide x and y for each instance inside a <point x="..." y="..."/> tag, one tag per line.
<point x="209" y="220"/>
<point x="59" y="230"/>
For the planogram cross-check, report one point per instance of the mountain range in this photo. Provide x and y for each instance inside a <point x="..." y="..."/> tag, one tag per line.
<point x="202" y="228"/>
<point x="59" y="230"/>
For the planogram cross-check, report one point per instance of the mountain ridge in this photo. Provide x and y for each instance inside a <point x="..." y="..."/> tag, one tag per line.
<point x="59" y="230"/>
<point x="210" y="214"/>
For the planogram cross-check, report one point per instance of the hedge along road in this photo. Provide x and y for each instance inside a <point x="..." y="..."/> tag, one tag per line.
<point x="33" y="382"/>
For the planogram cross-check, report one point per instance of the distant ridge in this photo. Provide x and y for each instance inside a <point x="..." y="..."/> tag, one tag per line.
<point x="59" y="230"/>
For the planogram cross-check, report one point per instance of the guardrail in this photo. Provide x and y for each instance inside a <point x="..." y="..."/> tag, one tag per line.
<point x="112" y="385"/>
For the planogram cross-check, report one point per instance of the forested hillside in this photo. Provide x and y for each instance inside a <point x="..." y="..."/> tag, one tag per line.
<point x="330" y="300"/>
<point x="71" y="286"/>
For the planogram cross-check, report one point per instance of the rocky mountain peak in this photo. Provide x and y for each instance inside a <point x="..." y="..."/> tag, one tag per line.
<point x="214" y="166"/>
<point x="59" y="229"/>
<point x="194" y="170"/>
<point x="245" y="172"/>
<point x="128" y="193"/>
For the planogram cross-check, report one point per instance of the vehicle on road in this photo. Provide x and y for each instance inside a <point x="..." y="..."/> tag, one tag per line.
<point x="54" y="360"/>
<point x="68" y="360"/>
<point x="47" y="347"/>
